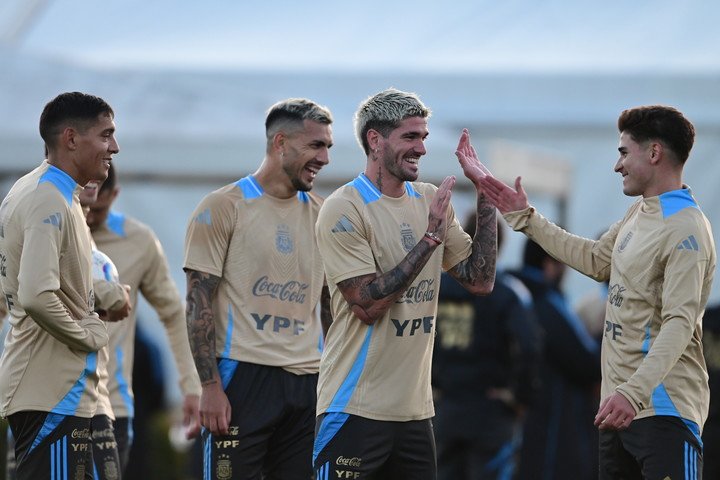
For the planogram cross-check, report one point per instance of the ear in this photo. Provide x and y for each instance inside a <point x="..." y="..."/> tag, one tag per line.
<point x="278" y="141"/>
<point x="656" y="152"/>
<point x="68" y="138"/>
<point x="374" y="138"/>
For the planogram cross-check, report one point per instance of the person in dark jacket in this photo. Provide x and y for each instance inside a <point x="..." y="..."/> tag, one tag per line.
<point x="711" y="431"/>
<point x="559" y="438"/>
<point x="484" y="375"/>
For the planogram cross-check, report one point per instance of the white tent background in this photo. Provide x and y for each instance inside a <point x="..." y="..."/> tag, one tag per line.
<point x="540" y="82"/>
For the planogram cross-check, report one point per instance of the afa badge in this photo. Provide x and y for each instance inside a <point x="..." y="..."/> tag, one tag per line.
<point x="283" y="239"/>
<point x="407" y="237"/>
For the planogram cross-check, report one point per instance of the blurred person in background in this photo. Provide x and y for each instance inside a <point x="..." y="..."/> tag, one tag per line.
<point x="49" y="366"/>
<point x="112" y="303"/>
<point x="485" y="366"/>
<point x="141" y="264"/>
<point x="254" y="280"/>
<point x="559" y="439"/>
<point x="660" y="260"/>
<point x="711" y="432"/>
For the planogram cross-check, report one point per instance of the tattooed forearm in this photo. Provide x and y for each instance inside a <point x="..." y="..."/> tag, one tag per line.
<point x="370" y="296"/>
<point x="478" y="270"/>
<point x="201" y="288"/>
<point x="325" y="314"/>
<point x="397" y="280"/>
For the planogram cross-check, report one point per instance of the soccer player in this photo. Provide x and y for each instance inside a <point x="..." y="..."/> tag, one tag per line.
<point x="384" y="240"/>
<point x="112" y="302"/>
<point x="660" y="260"/>
<point x="48" y="369"/>
<point x="254" y="278"/>
<point x="141" y="264"/>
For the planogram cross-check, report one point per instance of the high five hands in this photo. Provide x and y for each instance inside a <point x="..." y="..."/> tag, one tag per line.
<point x="504" y="197"/>
<point x="473" y="169"/>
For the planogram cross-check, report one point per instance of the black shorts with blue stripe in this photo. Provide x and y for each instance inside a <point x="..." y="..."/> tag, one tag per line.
<point x="271" y="425"/>
<point x="350" y="446"/>
<point x="652" y="447"/>
<point x="50" y="446"/>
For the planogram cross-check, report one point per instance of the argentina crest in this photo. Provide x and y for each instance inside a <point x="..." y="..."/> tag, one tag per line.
<point x="407" y="237"/>
<point x="224" y="468"/>
<point x="283" y="239"/>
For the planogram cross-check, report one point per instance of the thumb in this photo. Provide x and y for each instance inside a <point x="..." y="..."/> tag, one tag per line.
<point x="518" y="184"/>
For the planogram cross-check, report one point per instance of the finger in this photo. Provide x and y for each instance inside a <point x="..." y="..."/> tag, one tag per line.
<point x="518" y="185"/>
<point x="210" y="423"/>
<point x="462" y="140"/>
<point x="224" y="421"/>
<point x="492" y="184"/>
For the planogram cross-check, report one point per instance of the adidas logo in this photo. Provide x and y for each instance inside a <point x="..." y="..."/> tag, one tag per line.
<point x="204" y="217"/>
<point x="343" y="225"/>
<point x="55" y="220"/>
<point x="689" y="244"/>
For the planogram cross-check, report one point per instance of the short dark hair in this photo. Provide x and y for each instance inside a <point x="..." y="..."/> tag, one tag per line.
<point x="109" y="184"/>
<point x="290" y="114"/>
<point x="76" y="109"/>
<point x="662" y="123"/>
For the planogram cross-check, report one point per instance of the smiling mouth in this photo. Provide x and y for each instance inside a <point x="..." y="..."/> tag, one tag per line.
<point x="412" y="161"/>
<point x="312" y="170"/>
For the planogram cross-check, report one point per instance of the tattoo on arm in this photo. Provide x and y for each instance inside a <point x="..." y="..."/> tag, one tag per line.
<point x="370" y="296"/>
<point x="201" y="289"/>
<point x="397" y="280"/>
<point x="325" y="314"/>
<point x="479" y="267"/>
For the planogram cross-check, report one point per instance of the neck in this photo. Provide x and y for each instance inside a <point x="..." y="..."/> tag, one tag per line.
<point x="273" y="179"/>
<point x="68" y="167"/>
<point x="388" y="184"/>
<point x="668" y="182"/>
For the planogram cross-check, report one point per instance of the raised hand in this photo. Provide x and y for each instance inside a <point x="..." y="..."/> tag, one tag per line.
<point x="437" y="218"/>
<point x="469" y="161"/>
<point x="505" y="198"/>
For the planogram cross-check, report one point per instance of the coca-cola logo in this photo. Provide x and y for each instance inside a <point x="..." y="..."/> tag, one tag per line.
<point x="615" y="295"/>
<point x="422" y="292"/>
<point x="291" y="291"/>
<point x="84" y="433"/>
<point x="348" y="461"/>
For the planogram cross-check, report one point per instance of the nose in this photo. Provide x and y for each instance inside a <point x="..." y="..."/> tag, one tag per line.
<point x="114" y="147"/>
<point x="323" y="156"/>
<point x="619" y="166"/>
<point x="420" y="147"/>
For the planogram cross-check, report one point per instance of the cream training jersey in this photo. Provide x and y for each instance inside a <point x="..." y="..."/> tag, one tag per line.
<point x="141" y="263"/>
<point x="660" y="260"/>
<point x="50" y="358"/>
<point x="264" y="251"/>
<point x="381" y="372"/>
